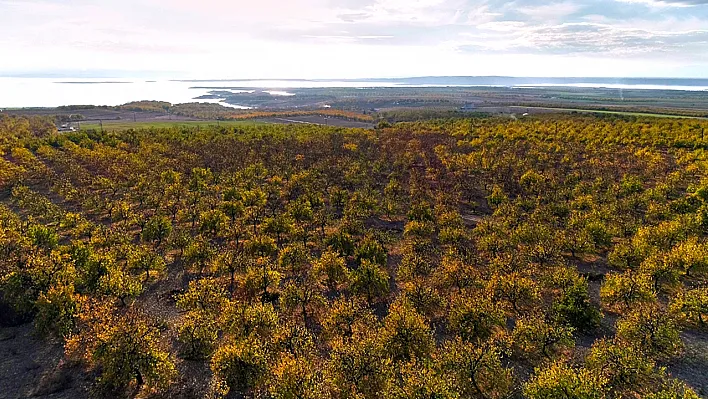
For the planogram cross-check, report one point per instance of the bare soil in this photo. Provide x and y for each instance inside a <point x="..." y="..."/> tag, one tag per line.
<point x="33" y="367"/>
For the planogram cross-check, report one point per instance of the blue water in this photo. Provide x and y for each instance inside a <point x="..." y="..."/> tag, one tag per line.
<point x="52" y="92"/>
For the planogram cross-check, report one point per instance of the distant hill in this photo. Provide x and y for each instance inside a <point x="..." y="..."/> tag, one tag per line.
<point x="511" y="81"/>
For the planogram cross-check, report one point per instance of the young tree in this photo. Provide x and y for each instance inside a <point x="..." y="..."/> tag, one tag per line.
<point x="297" y="378"/>
<point x="476" y="370"/>
<point x="664" y="276"/>
<point x="371" y="250"/>
<point x="420" y="379"/>
<point x="305" y="296"/>
<point x="360" y="368"/>
<point x="651" y="330"/>
<point x="691" y="307"/>
<point x="212" y="223"/>
<point x="573" y="306"/>
<point x="371" y="281"/>
<point x="259" y="278"/>
<point x="517" y="291"/>
<point x="625" y="369"/>
<point x="559" y="380"/>
<point x="622" y="291"/>
<point x="119" y="284"/>
<point x="145" y="260"/>
<point x="254" y="202"/>
<point x="341" y="242"/>
<point x="241" y="367"/>
<point x="405" y="334"/>
<point x="537" y="336"/>
<point x="476" y="318"/>
<point x="232" y="208"/>
<point x="673" y="389"/>
<point x="199" y="253"/>
<point x="333" y="269"/>
<point x="231" y="260"/>
<point x="262" y="246"/>
<point x="157" y="229"/>
<point x="689" y="257"/>
<point x="198" y="334"/>
<point x="348" y="318"/>
<point x="258" y="321"/>
<point x="280" y="226"/>
<point x="457" y="273"/>
<point x="126" y="348"/>
<point x="205" y="296"/>
<point x="57" y="310"/>
<point x="294" y="260"/>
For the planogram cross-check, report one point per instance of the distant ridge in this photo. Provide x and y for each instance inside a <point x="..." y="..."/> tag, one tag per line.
<point x="490" y="80"/>
<point x="510" y="81"/>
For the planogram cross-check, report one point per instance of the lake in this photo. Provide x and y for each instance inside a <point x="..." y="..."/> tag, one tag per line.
<point x="52" y="92"/>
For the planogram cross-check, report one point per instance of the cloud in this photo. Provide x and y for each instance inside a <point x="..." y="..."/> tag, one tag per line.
<point x="243" y="35"/>
<point x="551" y="11"/>
<point x="591" y="39"/>
<point x="668" y="3"/>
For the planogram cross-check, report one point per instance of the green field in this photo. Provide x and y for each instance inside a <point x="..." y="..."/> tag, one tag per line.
<point x="122" y="125"/>
<point x="595" y="111"/>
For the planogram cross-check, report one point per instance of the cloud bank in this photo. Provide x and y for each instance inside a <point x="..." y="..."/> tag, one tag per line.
<point x="357" y="38"/>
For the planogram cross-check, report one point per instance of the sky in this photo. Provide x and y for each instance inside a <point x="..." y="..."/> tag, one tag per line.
<point x="332" y="39"/>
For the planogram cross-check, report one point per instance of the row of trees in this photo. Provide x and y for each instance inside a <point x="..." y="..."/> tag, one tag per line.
<point x="554" y="257"/>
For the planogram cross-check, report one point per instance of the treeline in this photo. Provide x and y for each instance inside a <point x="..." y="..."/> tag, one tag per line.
<point x="216" y="111"/>
<point x="550" y="257"/>
<point x="146" y="106"/>
<point x="596" y="106"/>
<point x="423" y="114"/>
<point x="219" y="112"/>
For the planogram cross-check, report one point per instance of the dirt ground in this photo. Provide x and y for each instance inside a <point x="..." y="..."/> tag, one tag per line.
<point x="692" y="366"/>
<point x="32" y="367"/>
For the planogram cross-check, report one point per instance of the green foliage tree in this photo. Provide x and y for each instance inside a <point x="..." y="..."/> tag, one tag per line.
<point x="559" y="380"/>
<point x="333" y="269"/>
<point x="213" y="223"/>
<point x="436" y="258"/>
<point x="691" y="307"/>
<point x="419" y="380"/>
<point x="372" y="251"/>
<point x="348" y="318"/>
<point x="405" y="333"/>
<point x="476" y="318"/>
<point x="573" y="307"/>
<point x="120" y="284"/>
<point x="622" y="366"/>
<point x="651" y="330"/>
<point x="297" y="378"/>
<point x="370" y="280"/>
<point x="241" y="366"/>
<point x="127" y="348"/>
<point x="476" y="370"/>
<point x="360" y="368"/>
<point x="517" y="291"/>
<point x="537" y="336"/>
<point x="622" y="291"/>
<point x="157" y="230"/>
<point x="57" y="310"/>
<point x="198" y="333"/>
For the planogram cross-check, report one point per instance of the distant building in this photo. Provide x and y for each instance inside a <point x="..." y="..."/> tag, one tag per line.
<point x="468" y="107"/>
<point x="66" y="128"/>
